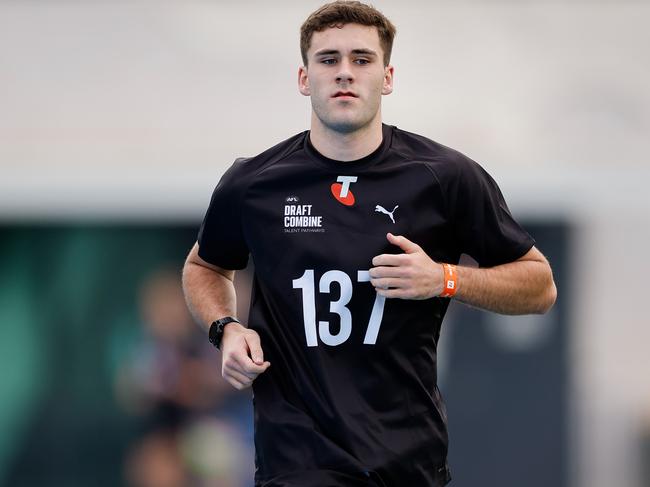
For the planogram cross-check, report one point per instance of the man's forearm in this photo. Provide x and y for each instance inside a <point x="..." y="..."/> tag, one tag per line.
<point x="520" y="287"/>
<point x="210" y="295"/>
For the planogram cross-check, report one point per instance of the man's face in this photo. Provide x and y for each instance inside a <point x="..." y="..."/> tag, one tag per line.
<point x="346" y="77"/>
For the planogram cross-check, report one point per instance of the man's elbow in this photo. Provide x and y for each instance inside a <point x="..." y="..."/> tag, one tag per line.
<point x="547" y="296"/>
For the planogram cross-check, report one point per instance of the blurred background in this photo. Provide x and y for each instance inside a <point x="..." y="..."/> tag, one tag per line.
<point x="116" y="121"/>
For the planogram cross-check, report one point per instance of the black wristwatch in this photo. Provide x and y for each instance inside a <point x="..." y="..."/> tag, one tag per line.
<point x="216" y="330"/>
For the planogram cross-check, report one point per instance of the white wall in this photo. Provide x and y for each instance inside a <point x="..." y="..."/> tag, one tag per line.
<point x="133" y="109"/>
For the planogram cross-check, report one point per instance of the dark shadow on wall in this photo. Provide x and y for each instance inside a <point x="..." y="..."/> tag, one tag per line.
<point x="505" y="382"/>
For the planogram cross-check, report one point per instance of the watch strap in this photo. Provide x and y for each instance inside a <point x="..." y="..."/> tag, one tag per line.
<point x="215" y="335"/>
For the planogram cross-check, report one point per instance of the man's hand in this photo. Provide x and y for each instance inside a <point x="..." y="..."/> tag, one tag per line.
<point x="242" y="359"/>
<point x="411" y="275"/>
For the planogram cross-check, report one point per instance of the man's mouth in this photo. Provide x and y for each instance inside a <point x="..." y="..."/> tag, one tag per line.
<point x="344" y="94"/>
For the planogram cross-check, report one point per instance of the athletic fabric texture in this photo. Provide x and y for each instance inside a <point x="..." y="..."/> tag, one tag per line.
<point x="352" y="382"/>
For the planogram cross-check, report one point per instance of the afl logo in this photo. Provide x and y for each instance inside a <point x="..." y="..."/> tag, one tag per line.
<point x="341" y="190"/>
<point x="292" y="199"/>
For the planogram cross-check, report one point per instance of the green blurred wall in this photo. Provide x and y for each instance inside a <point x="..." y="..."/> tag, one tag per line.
<point x="67" y="303"/>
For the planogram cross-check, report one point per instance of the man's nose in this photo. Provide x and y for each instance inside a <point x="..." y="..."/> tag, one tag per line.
<point x="344" y="74"/>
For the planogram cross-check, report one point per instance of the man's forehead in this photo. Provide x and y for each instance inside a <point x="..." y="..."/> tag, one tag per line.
<point x="346" y="38"/>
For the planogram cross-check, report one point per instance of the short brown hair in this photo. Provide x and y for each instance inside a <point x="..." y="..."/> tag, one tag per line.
<point x="339" y="13"/>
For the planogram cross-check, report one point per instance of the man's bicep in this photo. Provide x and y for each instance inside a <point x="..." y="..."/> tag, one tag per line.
<point x="194" y="258"/>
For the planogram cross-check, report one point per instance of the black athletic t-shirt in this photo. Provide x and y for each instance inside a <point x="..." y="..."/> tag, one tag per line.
<point x="351" y="390"/>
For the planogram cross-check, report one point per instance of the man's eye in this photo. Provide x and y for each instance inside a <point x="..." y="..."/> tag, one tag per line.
<point x="362" y="61"/>
<point x="328" y="61"/>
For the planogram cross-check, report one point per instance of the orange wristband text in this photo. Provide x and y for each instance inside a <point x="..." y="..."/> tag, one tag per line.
<point x="450" y="281"/>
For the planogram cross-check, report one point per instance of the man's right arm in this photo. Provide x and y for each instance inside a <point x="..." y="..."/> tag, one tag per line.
<point x="210" y="295"/>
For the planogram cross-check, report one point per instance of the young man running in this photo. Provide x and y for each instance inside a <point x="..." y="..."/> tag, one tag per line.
<point x="355" y="228"/>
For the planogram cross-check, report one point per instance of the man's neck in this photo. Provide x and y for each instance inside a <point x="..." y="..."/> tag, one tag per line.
<point x="345" y="147"/>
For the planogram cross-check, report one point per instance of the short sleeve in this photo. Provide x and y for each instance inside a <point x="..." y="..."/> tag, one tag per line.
<point x="221" y="239"/>
<point x="483" y="226"/>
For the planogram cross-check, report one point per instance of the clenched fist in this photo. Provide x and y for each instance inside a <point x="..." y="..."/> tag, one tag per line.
<point x="242" y="359"/>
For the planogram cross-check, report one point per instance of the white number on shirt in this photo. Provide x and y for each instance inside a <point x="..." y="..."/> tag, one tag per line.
<point x="307" y="285"/>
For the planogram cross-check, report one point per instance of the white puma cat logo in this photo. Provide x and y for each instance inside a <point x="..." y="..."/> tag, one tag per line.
<point x="381" y="209"/>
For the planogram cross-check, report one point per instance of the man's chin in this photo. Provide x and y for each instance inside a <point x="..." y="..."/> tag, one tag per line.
<point x="345" y="126"/>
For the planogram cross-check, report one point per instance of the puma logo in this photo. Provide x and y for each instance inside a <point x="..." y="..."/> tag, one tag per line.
<point x="383" y="210"/>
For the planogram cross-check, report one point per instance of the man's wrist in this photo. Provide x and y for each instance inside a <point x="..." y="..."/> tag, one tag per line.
<point x="215" y="333"/>
<point x="450" y="281"/>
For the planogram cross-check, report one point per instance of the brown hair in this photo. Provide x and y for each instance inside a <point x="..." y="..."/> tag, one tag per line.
<point x="339" y="13"/>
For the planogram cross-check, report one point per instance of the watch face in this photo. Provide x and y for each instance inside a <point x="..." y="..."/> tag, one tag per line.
<point x="216" y="330"/>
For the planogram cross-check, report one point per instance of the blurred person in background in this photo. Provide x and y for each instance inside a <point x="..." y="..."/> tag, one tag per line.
<point x="205" y="452"/>
<point x="167" y="379"/>
<point x="361" y="224"/>
<point x="167" y="373"/>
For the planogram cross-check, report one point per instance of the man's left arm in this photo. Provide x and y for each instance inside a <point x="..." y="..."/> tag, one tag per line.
<point x="520" y="287"/>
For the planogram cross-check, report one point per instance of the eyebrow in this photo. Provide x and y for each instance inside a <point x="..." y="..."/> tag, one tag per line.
<point x="330" y="52"/>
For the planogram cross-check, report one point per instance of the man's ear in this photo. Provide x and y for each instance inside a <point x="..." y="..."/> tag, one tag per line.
<point x="303" y="81"/>
<point x="387" y="88"/>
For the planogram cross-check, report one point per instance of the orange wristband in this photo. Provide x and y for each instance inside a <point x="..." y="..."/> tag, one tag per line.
<point x="450" y="282"/>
